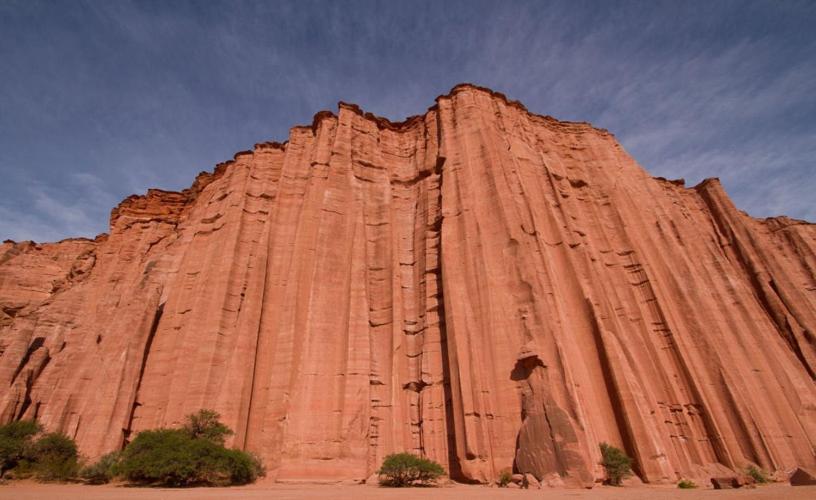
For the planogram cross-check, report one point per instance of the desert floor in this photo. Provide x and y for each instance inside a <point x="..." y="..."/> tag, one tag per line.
<point x="29" y="490"/>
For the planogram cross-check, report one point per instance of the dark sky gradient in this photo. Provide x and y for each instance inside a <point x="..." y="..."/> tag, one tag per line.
<point x="99" y="100"/>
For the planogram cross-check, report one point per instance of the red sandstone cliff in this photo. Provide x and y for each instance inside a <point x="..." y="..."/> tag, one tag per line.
<point x="479" y="284"/>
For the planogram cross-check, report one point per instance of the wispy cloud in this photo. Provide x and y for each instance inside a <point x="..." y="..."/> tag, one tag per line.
<point x="55" y="212"/>
<point x="104" y="99"/>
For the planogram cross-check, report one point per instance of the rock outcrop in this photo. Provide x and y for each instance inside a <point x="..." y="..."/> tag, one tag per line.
<point x="482" y="285"/>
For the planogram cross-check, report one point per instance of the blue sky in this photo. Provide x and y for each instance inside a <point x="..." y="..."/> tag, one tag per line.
<point x="99" y="100"/>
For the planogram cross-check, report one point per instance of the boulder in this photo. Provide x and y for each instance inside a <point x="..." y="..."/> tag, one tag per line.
<point x="803" y="477"/>
<point x="553" y="480"/>
<point x="725" y="483"/>
<point x="531" y="482"/>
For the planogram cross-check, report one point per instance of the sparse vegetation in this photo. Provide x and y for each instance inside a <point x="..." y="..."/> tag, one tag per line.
<point x="505" y="478"/>
<point x="26" y="452"/>
<point x="617" y="464"/>
<point x="686" y="484"/>
<point x="758" y="474"/>
<point x="406" y="469"/>
<point x="54" y="457"/>
<point x="192" y="455"/>
<point x="205" y="425"/>
<point x="16" y="439"/>
<point x="103" y="471"/>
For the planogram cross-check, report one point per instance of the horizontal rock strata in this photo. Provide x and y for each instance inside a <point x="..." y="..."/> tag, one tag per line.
<point x="484" y="286"/>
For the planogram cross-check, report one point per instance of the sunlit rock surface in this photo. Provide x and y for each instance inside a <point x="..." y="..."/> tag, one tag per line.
<point x="485" y="286"/>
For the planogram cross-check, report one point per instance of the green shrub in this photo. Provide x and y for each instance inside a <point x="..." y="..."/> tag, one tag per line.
<point x="15" y="443"/>
<point x="158" y="456"/>
<point x="193" y="455"/>
<point x="406" y="469"/>
<point x="51" y="457"/>
<point x="205" y="425"/>
<point x="505" y="478"/>
<point x="54" y="457"/>
<point x="617" y="464"/>
<point x="686" y="484"/>
<point x="758" y="474"/>
<point x="103" y="471"/>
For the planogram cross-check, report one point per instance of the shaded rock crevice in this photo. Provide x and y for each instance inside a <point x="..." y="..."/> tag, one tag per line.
<point x="128" y="428"/>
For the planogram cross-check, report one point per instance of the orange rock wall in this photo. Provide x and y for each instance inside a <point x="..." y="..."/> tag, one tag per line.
<point x="485" y="286"/>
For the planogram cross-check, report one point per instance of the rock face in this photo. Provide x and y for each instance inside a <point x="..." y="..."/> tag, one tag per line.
<point x="485" y="286"/>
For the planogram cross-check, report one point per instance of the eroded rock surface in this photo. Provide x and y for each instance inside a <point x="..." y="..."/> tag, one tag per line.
<point x="488" y="287"/>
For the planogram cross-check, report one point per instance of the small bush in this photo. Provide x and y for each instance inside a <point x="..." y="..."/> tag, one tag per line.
<point x="205" y="425"/>
<point x="617" y="464"/>
<point x="15" y="442"/>
<point x="193" y="455"/>
<point x="54" y="457"/>
<point x="158" y="456"/>
<point x="505" y="478"/>
<point x="758" y="474"/>
<point x="103" y="471"/>
<point x="686" y="484"/>
<point x="406" y="469"/>
<point x="51" y="457"/>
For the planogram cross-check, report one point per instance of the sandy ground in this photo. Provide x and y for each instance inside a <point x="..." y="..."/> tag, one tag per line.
<point x="30" y="491"/>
